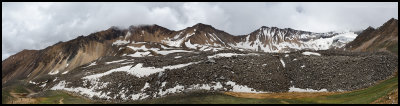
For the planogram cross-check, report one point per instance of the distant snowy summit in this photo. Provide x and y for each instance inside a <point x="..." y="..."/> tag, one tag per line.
<point x="266" y="39"/>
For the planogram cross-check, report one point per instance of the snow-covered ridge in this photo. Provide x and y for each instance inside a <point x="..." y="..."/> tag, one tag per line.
<point x="147" y="51"/>
<point x="138" y="70"/>
<point x="273" y="41"/>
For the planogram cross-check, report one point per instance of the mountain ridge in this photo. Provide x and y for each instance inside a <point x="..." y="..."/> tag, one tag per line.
<point x="84" y="49"/>
<point x="383" y="38"/>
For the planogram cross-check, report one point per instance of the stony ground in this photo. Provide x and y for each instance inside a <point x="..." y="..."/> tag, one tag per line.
<point x="333" y="70"/>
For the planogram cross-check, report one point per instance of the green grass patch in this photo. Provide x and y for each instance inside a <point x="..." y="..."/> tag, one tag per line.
<point x="214" y="98"/>
<point x="5" y="92"/>
<point x="54" y="97"/>
<point x="364" y="96"/>
<point x="20" y="89"/>
<point x="5" y="95"/>
<point x="393" y="48"/>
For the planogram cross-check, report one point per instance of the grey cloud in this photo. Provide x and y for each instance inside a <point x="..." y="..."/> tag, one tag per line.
<point x="38" y="25"/>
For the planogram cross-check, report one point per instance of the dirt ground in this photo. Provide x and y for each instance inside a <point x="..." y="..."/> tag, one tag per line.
<point x="22" y="98"/>
<point x="391" y="98"/>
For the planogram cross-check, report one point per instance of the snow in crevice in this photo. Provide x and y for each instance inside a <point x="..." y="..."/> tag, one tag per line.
<point x="283" y="63"/>
<point x="116" y="61"/>
<point x="53" y="72"/>
<point x="43" y="85"/>
<point x="128" y="34"/>
<point x="33" y="82"/>
<point x="311" y="53"/>
<point x="65" y="72"/>
<point x="91" y="64"/>
<point x="146" y="85"/>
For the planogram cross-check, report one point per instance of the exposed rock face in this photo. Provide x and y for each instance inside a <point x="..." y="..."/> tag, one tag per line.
<point x="18" y="65"/>
<point x="380" y="39"/>
<point x="60" y="57"/>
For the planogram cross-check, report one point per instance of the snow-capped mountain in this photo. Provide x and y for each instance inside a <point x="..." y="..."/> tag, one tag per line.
<point x="273" y="39"/>
<point x="205" y="37"/>
<point x="153" y="39"/>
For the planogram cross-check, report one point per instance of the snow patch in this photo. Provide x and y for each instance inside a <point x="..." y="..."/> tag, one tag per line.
<point x="138" y="70"/>
<point x="303" y="66"/>
<point x="190" y="45"/>
<point x="84" y="91"/>
<point x="139" y="54"/>
<point x="242" y="88"/>
<point x="120" y="42"/>
<point x="91" y="64"/>
<point x="283" y="63"/>
<point x="147" y="85"/>
<point x="116" y="61"/>
<point x="53" y="72"/>
<point x="224" y="55"/>
<point x="293" y="89"/>
<point x="33" y="82"/>
<point x="65" y="72"/>
<point x="311" y="53"/>
<point x="43" y="85"/>
<point x="170" y="51"/>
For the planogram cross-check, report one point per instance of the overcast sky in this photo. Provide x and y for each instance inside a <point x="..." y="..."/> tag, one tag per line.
<point x="38" y="25"/>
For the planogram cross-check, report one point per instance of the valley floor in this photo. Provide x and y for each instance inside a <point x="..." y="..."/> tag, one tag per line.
<point x="386" y="92"/>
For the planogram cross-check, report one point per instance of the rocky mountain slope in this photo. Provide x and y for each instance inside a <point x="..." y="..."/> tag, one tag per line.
<point x="115" y="42"/>
<point x="384" y="38"/>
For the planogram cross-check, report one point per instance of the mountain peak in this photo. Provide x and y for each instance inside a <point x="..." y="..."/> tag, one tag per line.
<point x="392" y="20"/>
<point x="202" y="26"/>
<point x="263" y="27"/>
<point x="370" y="28"/>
